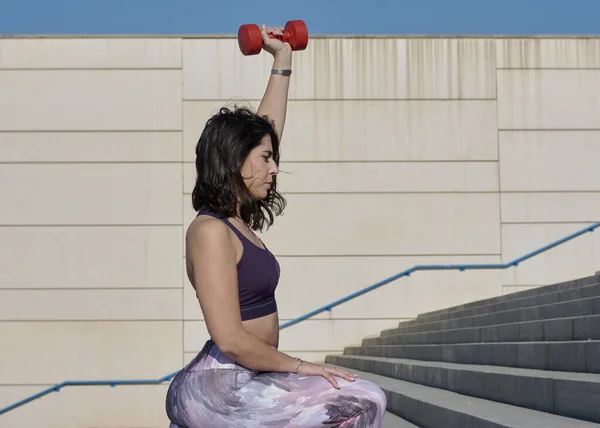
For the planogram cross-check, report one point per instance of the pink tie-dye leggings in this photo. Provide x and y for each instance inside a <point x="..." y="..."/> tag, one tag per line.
<point x="215" y="391"/>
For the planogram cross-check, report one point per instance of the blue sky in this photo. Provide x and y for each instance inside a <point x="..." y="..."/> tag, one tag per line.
<point x="322" y="16"/>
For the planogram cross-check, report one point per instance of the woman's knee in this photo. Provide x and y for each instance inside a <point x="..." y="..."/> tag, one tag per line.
<point x="380" y="400"/>
<point x="372" y="392"/>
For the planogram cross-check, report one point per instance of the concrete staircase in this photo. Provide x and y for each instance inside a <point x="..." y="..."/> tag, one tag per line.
<point x="528" y="359"/>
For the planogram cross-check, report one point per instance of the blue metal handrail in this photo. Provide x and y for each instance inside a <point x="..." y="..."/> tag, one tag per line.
<point x="462" y="268"/>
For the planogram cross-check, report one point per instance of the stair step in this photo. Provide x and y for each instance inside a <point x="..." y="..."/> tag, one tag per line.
<point x="574" y="395"/>
<point x="559" y="329"/>
<point x="593" y="279"/>
<point x="394" y="421"/>
<point x="572" y="308"/>
<point x="582" y="356"/>
<point x="429" y="407"/>
<point x="525" y="302"/>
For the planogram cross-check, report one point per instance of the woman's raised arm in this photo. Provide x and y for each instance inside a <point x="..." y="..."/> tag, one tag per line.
<point x="274" y="101"/>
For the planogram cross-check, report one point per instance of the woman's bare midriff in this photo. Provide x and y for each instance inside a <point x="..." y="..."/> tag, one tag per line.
<point x="265" y="328"/>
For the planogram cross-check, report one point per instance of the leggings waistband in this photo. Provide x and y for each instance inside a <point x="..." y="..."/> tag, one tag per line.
<point x="211" y="357"/>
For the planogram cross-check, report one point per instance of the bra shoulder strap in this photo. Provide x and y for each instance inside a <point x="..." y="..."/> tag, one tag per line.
<point x="235" y="230"/>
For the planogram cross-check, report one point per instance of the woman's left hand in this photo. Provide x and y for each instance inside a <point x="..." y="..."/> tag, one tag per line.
<point x="272" y="45"/>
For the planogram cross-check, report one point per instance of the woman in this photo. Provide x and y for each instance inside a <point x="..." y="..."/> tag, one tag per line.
<point x="240" y="379"/>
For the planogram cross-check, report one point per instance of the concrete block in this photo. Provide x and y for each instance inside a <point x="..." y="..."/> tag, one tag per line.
<point x="582" y="292"/>
<point x="503" y="317"/>
<point x="105" y="350"/>
<point x="393" y="421"/>
<point x="395" y="402"/>
<point x="562" y="356"/>
<point x="556" y="205"/>
<point x="532" y="356"/>
<point x="558" y="329"/>
<point x="90" y="53"/>
<point x="371" y="341"/>
<point x="551" y="298"/>
<point x="148" y="100"/>
<point x="387" y="340"/>
<point x="430" y="415"/>
<point x="90" y="147"/>
<point x="555" y="99"/>
<point x="430" y="375"/>
<point x="423" y="338"/>
<point x="530" y="314"/>
<point x="383" y="340"/>
<point x="505" y="355"/>
<point x="565" y="309"/>
<point x="531" y="331"/>
<point x="466" y="382"/>
<point x="464" y="353"/>
<point x="577" y="399"/>
<point x="500" y="333"/>
<point x="484" y="354"/>
<point x="386" y="351"/>
<point x="586" y="328"/>
<point x="103" y="406"/>
<point x="91" y="305"/>
<point x="445" y="325"/>
<point x="91" y="194"/>
<point x="386" y="369"/>
<point x="588" y="280"/>
<point x="138" y="256"/>
<point x="470" y="335"/>
<point x="592" y="357"/>
<point x="430" y="352"/>
<point x="448" y="353"/>
<point x="545" y="53"/>
<point x="530" y="392"/>
<point x="467" y="322"/>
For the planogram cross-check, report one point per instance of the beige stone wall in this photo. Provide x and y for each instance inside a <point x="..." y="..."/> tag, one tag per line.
<point x="397" y="152"/>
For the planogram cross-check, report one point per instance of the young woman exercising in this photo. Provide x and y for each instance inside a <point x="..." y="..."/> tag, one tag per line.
<point x="240" y="379"/>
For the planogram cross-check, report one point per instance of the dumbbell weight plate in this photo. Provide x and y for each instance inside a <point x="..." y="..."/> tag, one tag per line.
<point x="250" y="39"/>
<point x="298" y="34"/>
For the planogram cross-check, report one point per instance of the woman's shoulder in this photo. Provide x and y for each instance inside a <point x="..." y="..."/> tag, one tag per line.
<point x="206" y="231"/>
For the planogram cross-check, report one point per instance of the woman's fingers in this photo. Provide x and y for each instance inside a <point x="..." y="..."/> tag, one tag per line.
<point x="342" y="373"/>
<point x="272" y="30"/>
<point x="264" y="31"/>
<point x="331" y="379"/>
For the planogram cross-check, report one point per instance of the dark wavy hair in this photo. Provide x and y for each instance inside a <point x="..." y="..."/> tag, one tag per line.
<point x="226" y="141"/>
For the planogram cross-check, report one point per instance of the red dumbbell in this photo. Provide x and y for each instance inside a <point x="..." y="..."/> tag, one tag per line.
<point x="251" y="42"/>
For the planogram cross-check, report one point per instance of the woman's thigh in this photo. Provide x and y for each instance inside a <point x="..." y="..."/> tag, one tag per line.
<point x="221" y="398"/>
<point x="288" y="400"/>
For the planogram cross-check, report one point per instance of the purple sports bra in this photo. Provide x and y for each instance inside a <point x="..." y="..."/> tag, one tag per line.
<point x="258" y="275"/>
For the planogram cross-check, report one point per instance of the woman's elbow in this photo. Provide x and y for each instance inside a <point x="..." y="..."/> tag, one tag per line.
<point x="230" y="343"/>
